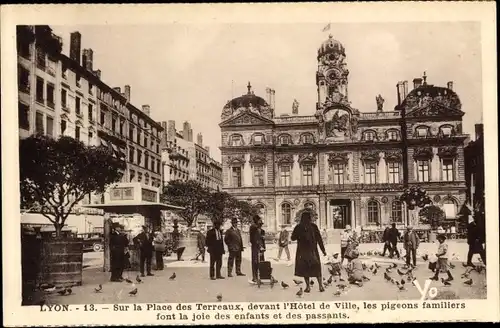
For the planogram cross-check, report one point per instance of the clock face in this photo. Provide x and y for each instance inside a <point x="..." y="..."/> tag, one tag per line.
<point x="331" y="75"/>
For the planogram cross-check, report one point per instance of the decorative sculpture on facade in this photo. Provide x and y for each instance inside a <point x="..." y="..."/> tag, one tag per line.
<point x="258" y="158"/>
<point x="370" y="155"/>
<point x="309" y="157"/>
<point x="393" y="155"/>
<point x="338" y="157"/>
<point x="380" y="103"/>
<point x="338" y="125"/>
<point x="284" y="158"/>
<point x="295" y="107"/>
<point x="236" y="158"/>
<point x="447" y="151"/>
<point x="423" y="152"/>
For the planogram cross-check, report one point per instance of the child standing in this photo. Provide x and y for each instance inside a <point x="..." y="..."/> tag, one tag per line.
<point x="442" y="259"/>
<point x="336" y="269"/>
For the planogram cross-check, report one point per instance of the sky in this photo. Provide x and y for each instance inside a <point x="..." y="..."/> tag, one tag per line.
<point x="187" y="72"/>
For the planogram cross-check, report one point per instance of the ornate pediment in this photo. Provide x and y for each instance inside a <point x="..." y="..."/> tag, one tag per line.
<point x="394" y="155"/>
<point x="423" y="153"/>
<point x="246" y="117"/>
<point x="258" y="158"/>
<point x="307" y="158"/>
<point x="284" y="158"/>
<point x="447" y="151"/>
<point x="341" y="157"/>
<point x="434" y="108"/>
<point x="236" y="159"/>
<point x="370" y="156"/>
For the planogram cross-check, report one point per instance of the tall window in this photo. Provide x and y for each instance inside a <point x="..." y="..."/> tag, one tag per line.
<point x="50" y="126"/>
<point x="423" y="173"/>
<point x="258" y="139"/>
<point x="139" y="157"/>
<point x="307" y="174"/>
<point x="397" y="213"/>
<point x="447" y="165"/>
<point x="286" y="213"/>
<point x="285" y="175"/>
<point x="77" y="132"/>
<point x="63" y="126"/>
<point x="24" y="112"/>
<point x="258" y="175"/>
<point x="91" y="113"/>
<point x="23" y="79"/>
<point x="78" y="106"/>
<point x="307" y="138"/>
<point x="39" y="89"/>
<point x="39" y="123"/>
<point x="131" y="153"/>
<point x="236" y="140"/>
<point x="131" y="132"/>
<point x="373" y="212"/>
<point x="146" y="161"/>
<point x="392" y="135"/>
<point x="139" y="136"/>
<point x="102" y="120"/>
<point x="450" y="209"/>
<point x="40" y="58"/>
<point x="393" y="168"/>
<point x="90" y="88"/>
<point x="370" y="173"/>
<point x="338" y="173"/>
<point x="236" y="176"/>
<point x="113" y="123"/>
<point x="78" y="80"/>
<point x="91" y="136"/>
<point x="64" y="98"/>
<point x="285" y="140"/>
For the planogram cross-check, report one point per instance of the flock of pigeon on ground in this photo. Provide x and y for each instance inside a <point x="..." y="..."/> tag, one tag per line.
<point x="401" y="280"/>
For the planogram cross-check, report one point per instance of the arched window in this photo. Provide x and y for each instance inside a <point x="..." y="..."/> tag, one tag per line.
<point x="373" y="212"/>
<point x="286" y="213"/>
<point x="369" y="135"/>
<point x="392" y="135"/>
<point x="446" y="130"/>
<point x="397" y="213"/>
<point x="285" y="139"/>
<point x="236" y="140"/>
<point x="307" y="138"/>
<point x="258" y="139"/>
<point x="422" y="131"/>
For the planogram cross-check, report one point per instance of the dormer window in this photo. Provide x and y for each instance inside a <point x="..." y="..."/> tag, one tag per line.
<point x="446" y="130"/>
<point x="285" y="140"/>
<point x="236" y="140"/>
<point x="258" y="139"/>
<point x="307" y="138"/>
<point x="422" y="132"/>
<point x="370" y="136"/>
<point x="392" y="135"/>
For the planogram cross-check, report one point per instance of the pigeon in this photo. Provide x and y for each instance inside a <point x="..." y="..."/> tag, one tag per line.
<point x="172" y="277"/>
<point x="403" y="281"/>
<point x="98" y="289"/>
<point x="365" y="278"/>
<point x="219" y="297"/>
<point x="425" y="257"/>
<point x="402" y="287"/>
<point x="364" y="266"/>
<point x="337" y="293"/>
<point x="133" y="292"/>
<point x="388" y="270"/>
<point x="401" y="273"/>
<point x="138" y="279"/>
<point x="335" y="255"/>
<point x="371" y="267"/>
<point x="394" y="265"/>
<point x="297" y="282"/>
<point x="330" y="280"/>
<point x="312" y="283"/>
<point x="374" y="271"/>
<point x="62" y="292"/>
<point x="446" y="283"/>
<point x="129" y="281"/>
<point x="387" y="277"/>
<point x="300" y="292"/>
<point x="341" y="279"/>
<point x="342" y="286"/>
<point x="377" y="265"/>
<point x="452" y="266"/>
<point x="330" y="270"/>
<point x="272" y="283"/>
<point x="479" y="269"/>
<point x="468" y="282"/>
<point x="284" y="285"/>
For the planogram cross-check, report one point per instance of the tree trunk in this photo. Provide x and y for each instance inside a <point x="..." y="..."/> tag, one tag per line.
<point x="58" y="227"/>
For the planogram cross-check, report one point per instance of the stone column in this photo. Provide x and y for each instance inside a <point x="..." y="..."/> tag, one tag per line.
<point x="435" y="165"/>
<point x="296" y="174"/>
<point x="382" y="169"/>
<point x="353" y="214"/>
<point x="247" y="172"/>
<point x="316" y="173"/>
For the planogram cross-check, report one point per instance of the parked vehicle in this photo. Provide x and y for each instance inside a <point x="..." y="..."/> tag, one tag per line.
<point x="92" y="241"/>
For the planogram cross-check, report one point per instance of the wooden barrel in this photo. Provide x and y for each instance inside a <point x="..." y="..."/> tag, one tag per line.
<point x="62" y="261"/>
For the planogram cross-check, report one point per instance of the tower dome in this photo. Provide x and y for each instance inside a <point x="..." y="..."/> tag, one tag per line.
<point x="249" y="102"/>
<point x="331" y="46"/>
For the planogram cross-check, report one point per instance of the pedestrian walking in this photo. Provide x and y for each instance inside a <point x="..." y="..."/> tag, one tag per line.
<point x="234" y="244"/>
<point x="346" y="238"/>
<point x="442" y="259"/>
<point x="411" y="243"/>
<point x="159" y="246"/>
<point x="475" y="239"/>
<point x="393" y="237"/>
<point x="257" y="244"/>
<point x="283" y="242"/>
<point x="215" y="247"/>
<point x="144" y="242"/>
<point x="201" y="243"/>
<point x="118" y="243"/>
<point x="307" y="260"/>
<point x="386" y="241"/>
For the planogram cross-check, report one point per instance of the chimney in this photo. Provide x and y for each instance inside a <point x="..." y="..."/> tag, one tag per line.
<point x="273" y="99"/>
<point x="146" y="109"/>
<point x="88" y="59"/>
<point x="185" y="131"/>
<point x="190" y="135"/>
<point x="199" y="139"/>
<point x="450" y="85"/>
<point x="268" y="96"/>
<point x="170" y="130"/>
<point x="405" y="89"/>
<point x="118" y="89"/>
<point x="208" y="150"/>
<point x="399" y="91"/>
<point x="75" y="46"/>
<point x="417" y="82"/>
<point x="98" y="73"/>
<point x="127" y="92"/>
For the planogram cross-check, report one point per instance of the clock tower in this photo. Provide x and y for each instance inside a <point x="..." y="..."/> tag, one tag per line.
<point x="331" y="77"/>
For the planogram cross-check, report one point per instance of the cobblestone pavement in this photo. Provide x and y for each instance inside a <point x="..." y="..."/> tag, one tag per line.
<point x="193" y="285"/>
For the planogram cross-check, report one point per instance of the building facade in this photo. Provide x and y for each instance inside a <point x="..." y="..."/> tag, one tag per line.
<point x="346" y="164"/>
<point x="63" y="95"/>
<point x="474" y="171"/>
<point x="183" y="159"/>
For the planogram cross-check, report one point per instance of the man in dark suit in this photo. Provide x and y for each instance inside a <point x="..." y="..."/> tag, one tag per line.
<point x="215" y="247"/>
<point x="117" y="244"/>
<point x="257" y="244"/>
<point x="475" y="239"/>
<point x="393" y="240"/>
<point x="144" y="241"/>
<point x="234" y="244"/>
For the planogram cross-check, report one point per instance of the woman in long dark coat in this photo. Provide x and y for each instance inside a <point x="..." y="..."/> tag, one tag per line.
<point x="307" y="261"/>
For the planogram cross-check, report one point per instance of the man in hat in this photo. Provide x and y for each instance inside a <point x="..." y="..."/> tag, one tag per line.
<point x="215" y="247"/>
<point x="144" y="241"/>
<point x="283" y="241"/>
<point x="117" y="244"/>
<point x="234" y="244"/>
<point x="257" y="244"/>
<point x="411" y="242"/>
